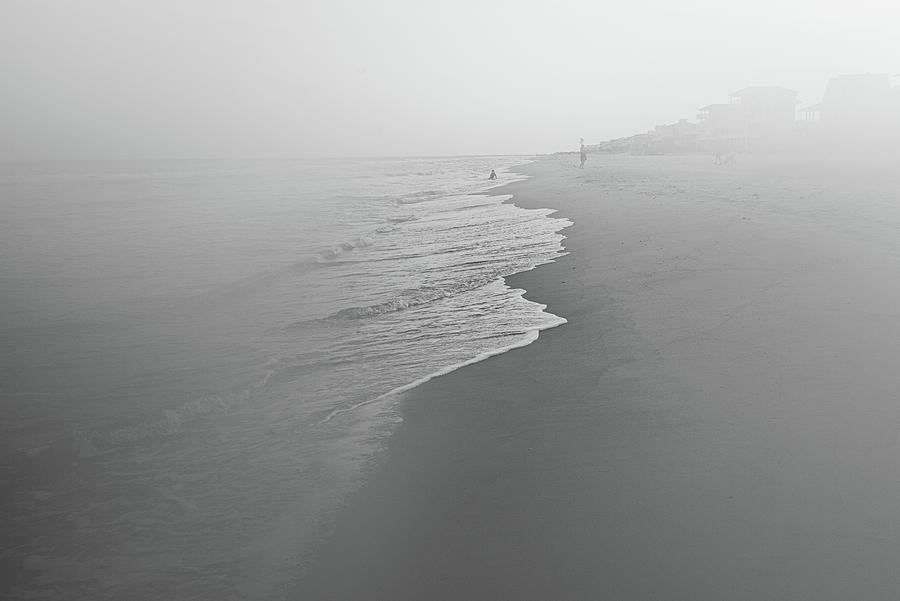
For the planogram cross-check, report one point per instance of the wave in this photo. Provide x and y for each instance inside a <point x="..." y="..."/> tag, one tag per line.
<point x="529" y="336"/>
<point x="238" y="289"/>
<point x="416" y="298"/>
<point x="420" y="196"/>
<point x="410" y="299"/>
<point x="253" y="283"/>
<point x="170" y="422"/>
<point x="57" y="457"/>
<point x="330" y="254"/>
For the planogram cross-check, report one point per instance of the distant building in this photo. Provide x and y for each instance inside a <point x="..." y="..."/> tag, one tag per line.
<point x="769" y="111"/>
<point x="639" y="144"/>
<point x="759" y="116"/>
<point x="680" y="136"/>
<point x="856" y="109"/>
<point x="722" y="125"/>
<point x="860" y="111"/>
<point x="811" y="113"/>
<point x="857" y="105"/>
<point x="856" y="98"/>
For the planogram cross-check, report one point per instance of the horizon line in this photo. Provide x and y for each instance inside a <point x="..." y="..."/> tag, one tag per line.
<point x="273" y="158"/>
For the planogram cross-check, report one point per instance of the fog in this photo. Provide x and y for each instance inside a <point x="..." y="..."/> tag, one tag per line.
<point x="106" y="79"/>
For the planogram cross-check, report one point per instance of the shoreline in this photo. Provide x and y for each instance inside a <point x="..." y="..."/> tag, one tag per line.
<point x="531" y="335"/>
<point x="686" y="435"/>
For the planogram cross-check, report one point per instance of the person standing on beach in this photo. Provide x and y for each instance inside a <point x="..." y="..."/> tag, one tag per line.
<point x="493" y="175"/>
<point x="583" y="157"/>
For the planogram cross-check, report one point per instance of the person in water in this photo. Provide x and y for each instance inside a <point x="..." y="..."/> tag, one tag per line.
<point x="493" y="175"/>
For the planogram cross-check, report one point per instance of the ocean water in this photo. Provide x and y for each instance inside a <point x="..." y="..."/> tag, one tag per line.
<point x="201" y="360"/>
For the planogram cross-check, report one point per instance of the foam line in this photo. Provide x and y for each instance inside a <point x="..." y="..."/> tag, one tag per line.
<point x="530" y="336"/>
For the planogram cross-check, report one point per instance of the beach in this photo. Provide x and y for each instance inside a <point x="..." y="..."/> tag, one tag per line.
<point x="717" y="420"/>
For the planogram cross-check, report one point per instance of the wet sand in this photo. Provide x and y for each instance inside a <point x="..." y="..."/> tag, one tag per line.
<point x="719" y="419"/>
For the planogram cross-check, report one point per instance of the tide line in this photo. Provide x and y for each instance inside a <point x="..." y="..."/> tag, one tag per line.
<point x="529" y="337"/>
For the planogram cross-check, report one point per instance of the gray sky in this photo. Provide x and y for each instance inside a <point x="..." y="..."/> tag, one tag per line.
<point x="268" y="78"/>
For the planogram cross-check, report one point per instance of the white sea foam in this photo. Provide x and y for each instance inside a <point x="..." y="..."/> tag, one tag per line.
<point x="527" y="338"/>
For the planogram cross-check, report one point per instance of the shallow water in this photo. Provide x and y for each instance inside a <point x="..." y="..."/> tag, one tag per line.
<point x="198" y="359"/>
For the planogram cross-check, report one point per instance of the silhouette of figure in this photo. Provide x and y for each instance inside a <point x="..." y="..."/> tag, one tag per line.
<point x="583" y="157"/>
<point x="493" y="175"/>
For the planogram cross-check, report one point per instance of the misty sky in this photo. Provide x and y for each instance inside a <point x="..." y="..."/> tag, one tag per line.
<point x="267" y="78"/>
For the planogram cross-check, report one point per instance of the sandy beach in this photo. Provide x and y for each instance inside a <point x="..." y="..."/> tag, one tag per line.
<point x="718" y="420"/>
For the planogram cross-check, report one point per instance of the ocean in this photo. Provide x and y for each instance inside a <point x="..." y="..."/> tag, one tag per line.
<point x="201" y="360"/>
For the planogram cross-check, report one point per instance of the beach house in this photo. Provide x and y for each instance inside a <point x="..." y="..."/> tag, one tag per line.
<point x="674" y="137"/>
<point x="769" y="111"/>
<point x="756" y="117"/>
<point x="856" y="109"/>
<point x="857" y="105"/>
<point x="722" y="125"/>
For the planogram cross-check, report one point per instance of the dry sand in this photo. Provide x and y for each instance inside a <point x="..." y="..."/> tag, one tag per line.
<point x="719" y="420"/>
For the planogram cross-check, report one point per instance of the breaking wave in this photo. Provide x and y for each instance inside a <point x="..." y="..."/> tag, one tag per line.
<point x="330" y="254"/>
<point x="414" y="298"/>
<point x="527" y="338"/>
